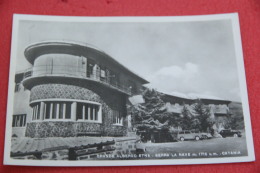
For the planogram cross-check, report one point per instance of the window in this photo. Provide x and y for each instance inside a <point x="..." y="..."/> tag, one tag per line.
<point x="102" y="73"/>
<point x="47" y="110"/>
<point x="90" y="65"/>
<point x="36" y="111"/>
<point x="67" y="110"/>
<point x="114" y="78"/>
<point x="54" y="110"/>
<point x="17" y="87"/>
<point x="80" y="111"/>
<point x="87" y="111"/>
<point x="19" y="120"/>
<point x="117" y="117"/>
<point x="61" y="110"/>
<point x="133" y="87"/>
<point x="57" y="110"/>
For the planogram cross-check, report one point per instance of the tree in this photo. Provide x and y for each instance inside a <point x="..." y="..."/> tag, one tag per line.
<point x="174" y="120"/>
<point x="151" y="113"/>
<point x="186" y="120"/>
<point x="234" y="122"/>
<point x="202" y="116"/>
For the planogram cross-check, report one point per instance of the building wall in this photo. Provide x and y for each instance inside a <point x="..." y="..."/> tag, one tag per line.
<point x="78" y="66"/>
<point x="219" y="112"/>
<point x="110" y="100"/>
<point x="63" y="64"/>
<point x="21" y="102"/>
<point x="62" y="129"/>
<point x="18" y="131"/>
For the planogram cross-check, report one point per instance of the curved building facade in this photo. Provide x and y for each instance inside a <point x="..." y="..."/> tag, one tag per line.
<point x="77" y="90"/>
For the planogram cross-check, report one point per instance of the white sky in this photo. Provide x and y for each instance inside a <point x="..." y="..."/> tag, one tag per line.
<point x="176" y="57"/>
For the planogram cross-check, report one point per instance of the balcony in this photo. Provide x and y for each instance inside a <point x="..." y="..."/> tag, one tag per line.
<point x="220" y="109"/>
<point x="96" y="75"/>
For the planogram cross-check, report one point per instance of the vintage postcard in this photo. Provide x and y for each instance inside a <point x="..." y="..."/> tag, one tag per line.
<point x="118" y="91"/>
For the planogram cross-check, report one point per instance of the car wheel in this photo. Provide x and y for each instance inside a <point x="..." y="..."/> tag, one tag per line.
<point x="197" y="138"/>
<point x="235" y="135"/>
<point x="182" y="138"/>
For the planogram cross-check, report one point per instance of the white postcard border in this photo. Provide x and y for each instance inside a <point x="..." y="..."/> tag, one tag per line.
<point x="242" y="80"/>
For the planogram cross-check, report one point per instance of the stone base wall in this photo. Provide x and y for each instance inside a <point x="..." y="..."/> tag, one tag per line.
<point x="115" y="130"/>
<point x="70" y="129"/>
<point x="62" y="129"/>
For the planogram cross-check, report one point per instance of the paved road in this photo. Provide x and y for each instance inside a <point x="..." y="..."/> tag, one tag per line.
<point x="217" y="147"/>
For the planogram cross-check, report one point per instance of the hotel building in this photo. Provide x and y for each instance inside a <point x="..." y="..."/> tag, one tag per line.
<point x="72" y="90"/>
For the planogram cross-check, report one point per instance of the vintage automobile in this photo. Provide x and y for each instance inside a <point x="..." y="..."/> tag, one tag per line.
<point x="230" y="133"/>
<point x="192" y="135"/>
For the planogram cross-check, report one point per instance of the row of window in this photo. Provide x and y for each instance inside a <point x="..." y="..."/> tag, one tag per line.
<point x="63" y="111"/>
<point x="52" y="110"/>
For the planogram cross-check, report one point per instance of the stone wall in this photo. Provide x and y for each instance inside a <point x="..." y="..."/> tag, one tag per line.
<point x="62" y="129"/>
<point x="115" y="130"/>
<point x="109" y="99"/>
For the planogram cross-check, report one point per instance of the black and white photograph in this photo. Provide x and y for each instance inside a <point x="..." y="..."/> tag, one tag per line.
<point x="113" y="91"/>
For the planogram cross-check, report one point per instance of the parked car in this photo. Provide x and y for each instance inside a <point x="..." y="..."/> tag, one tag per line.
<point x="230" y="133"/>
<point x="189" y="135"/>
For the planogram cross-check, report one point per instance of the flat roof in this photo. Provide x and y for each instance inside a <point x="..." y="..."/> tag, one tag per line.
<point x="78" y="49"/>
<point x="203" y="98"/>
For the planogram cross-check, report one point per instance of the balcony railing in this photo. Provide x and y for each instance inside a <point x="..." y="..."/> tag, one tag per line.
<point x="97" y="75"/>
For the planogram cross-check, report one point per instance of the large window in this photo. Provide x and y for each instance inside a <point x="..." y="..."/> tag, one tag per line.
<point x="117" y="117"/>
<point x="19" y="120"/>
<point x="57" y="110"/>
<point x="88" y="112"/>
<point x="66" y="110"/>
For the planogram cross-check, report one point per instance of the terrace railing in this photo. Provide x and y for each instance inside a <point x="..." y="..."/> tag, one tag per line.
<point x="75" y="71"/>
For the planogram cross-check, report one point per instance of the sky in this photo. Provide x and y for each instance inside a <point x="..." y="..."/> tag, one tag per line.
<point x="189" y="58"/>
